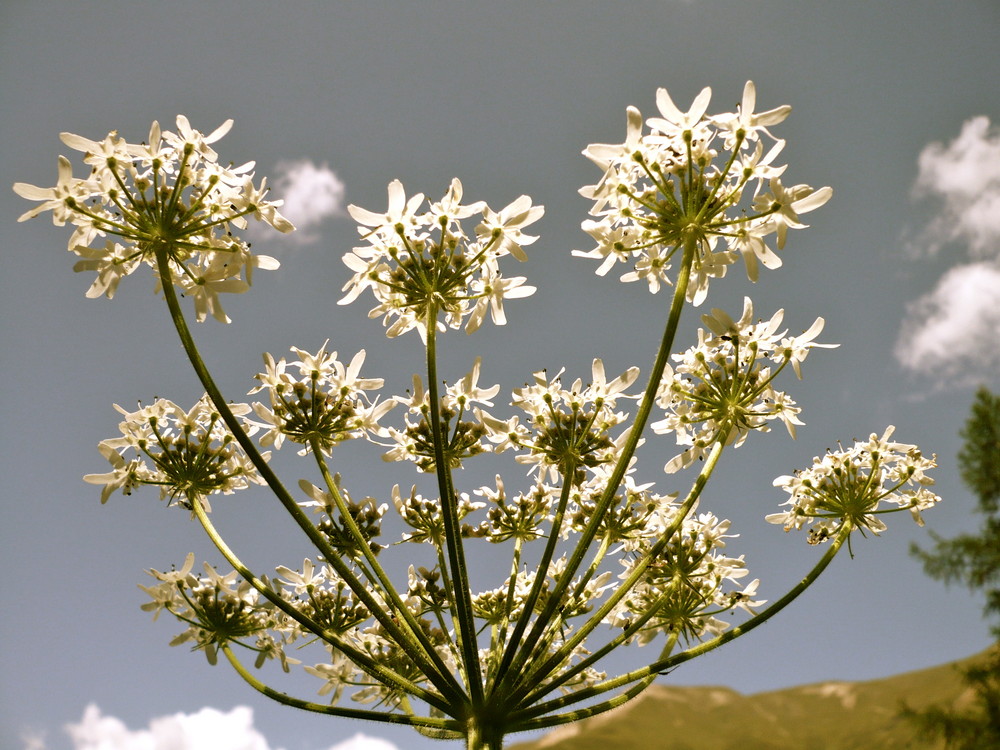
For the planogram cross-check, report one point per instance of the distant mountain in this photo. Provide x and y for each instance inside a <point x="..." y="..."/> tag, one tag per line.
<point x="824" y="716"/>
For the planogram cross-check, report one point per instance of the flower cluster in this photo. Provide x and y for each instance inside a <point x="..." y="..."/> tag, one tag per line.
<point x="520" y="517"/>
<point x="851" y="485"/>
<point x="635" y="516"/>
<point x="421" y="264"/>
<point x="340" y="513"/>
<point x="723" y="385"/>
<point x="218" y="609"/>
<point x="567" y="427"/>
<point x="666" y="186"/>
<point x="694" y="193"/>
<point x="425" y="519"/>
<point x="187" y="454"/>
<point x="322" y="596"/>
<point x="169" y="196"/>
<point x="326" y="404"/>
<point x="463" y="424"/>
<point x="685" y="587"/>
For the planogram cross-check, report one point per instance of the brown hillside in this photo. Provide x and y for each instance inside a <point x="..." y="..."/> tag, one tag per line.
<point x="824" y="716"/>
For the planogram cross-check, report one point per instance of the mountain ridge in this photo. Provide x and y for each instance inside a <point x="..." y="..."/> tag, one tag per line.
<point x="830" y="715"/>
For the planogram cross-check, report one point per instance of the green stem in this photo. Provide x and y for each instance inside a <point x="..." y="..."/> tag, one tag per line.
<point x="526" y="695"/>
<point x="444" y="682"/>
<point x="516" y="646"/>
<point x="452" y="528"/>
<point x="532" y="714"/>
<point x="631" y="443"/>
<point x="388" y="590"/>
<point x="447" y="586"/>
<point x="500" y="640"/>
<point x="365" y="662"/>
<point x="351" y="713"/>
<point x="535" y="672"/>
<point x="478" y="739"/>
<point x="645" y="407"/>
<point x="615" y="702"/>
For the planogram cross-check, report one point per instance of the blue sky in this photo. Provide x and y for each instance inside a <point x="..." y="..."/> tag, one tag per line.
<point x="894" y="106"/>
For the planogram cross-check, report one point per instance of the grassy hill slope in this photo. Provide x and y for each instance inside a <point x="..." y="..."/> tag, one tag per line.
<point x="824" y="716"/>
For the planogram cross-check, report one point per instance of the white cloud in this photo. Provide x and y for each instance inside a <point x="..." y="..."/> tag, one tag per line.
<point x="364" y="742"/>
<point x="32" y="740"/>
<point x="953" y="333"/>
<point x="964" y="176"/>
<point x="207" y="729"/>
<point x="312" y="193"/>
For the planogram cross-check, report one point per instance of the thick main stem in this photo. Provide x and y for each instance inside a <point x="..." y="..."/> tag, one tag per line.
<point x="481" y="735"/>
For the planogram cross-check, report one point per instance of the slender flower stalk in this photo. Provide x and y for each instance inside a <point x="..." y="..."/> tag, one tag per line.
<point x="618" y="562"/>
<point x="461" y="598"/>
<point x="386" y="618"/>
<point x="632" y="442"/>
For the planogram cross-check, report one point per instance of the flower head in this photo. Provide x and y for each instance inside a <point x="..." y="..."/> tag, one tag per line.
<point x="673" y="186"/>
<point x="686" y="586"/>
<point x="218" y="609"/>
<point x="186" y="454"/>
<point x="326" y="404"/>
<point x="856" y="486"/>
<point x="463" y="425"/>
<point x="420" y="265"/>
<point x="722" y="388"/>
<point x="168" y="197"/>
<point x="568" y="427"/>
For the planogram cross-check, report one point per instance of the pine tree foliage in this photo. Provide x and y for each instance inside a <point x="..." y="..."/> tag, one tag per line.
<point x="973" y="560"/>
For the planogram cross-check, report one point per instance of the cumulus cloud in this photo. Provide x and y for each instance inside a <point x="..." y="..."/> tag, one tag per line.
<point x="953" y="332"/>
<point x="207" y="729"/>
<point x="364" y="742"/>
<point x="312" y="193"/>
<point x="964" y="177"/>
<point x="32" y="740"/>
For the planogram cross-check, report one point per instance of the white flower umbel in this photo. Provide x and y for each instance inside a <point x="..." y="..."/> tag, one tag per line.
<point x="600" y="559"/>
<point x="567" y="427"/>
<point x="326" y="404"/>
<point x="723" y="386"/>
<point x="683" y="590"/>
<point x="415" y="262"/>
<point x="460" y="419"/>
<point x="854" y="487"/>
<point x="673" y="183"/>
<point x="184" y="453"/>
<point x="218" y="609"/>
<point x="169" y="195"/>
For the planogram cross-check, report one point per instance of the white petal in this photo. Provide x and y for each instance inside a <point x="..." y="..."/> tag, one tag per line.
<point x="699" y="105"/>
<point x="78" y="142"/>
<point x="749" y="99"/>
<point x="812" y="201"/>
<point x="219" y="131"/>
<point x="32" y="192"/>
